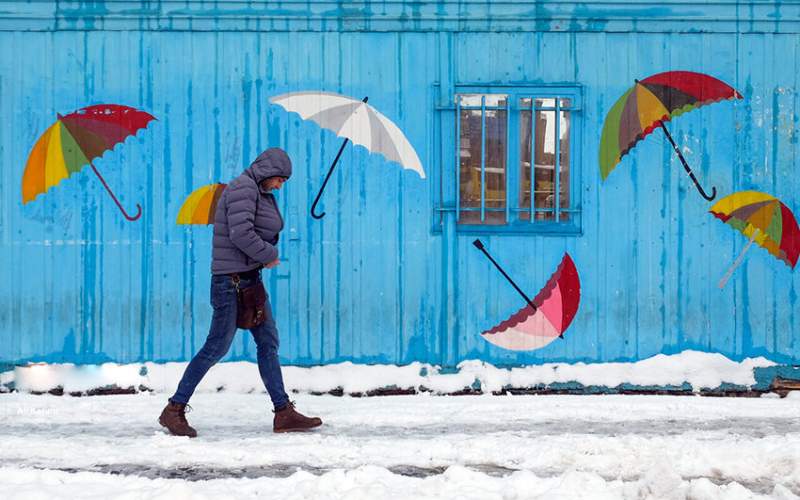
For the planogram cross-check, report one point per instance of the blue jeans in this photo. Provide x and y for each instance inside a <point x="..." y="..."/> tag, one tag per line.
<point x="223" y="329"/>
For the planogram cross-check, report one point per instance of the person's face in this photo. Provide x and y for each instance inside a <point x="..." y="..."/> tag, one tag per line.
<point x="273" y="183"/>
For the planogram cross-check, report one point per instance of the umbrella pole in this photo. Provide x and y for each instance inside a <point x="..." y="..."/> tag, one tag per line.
<point x="738" y="261"/>
<point x="111" y="193"/>
<point x="479" y="245"/>
<point x="327" y="177"/>
<point x="688" y="169"/>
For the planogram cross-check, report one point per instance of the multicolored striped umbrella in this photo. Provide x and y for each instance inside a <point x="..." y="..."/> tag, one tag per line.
<point x="76" y="140"/>
<point x="649" y="104"/>
<point x="201" y="205"/>
<point x="553" y="309"/>
<point x="765" y="220"/>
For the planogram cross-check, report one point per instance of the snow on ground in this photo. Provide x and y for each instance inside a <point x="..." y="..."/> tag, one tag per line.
<point x="700" y="370"/>
<point x="421" y="446"/>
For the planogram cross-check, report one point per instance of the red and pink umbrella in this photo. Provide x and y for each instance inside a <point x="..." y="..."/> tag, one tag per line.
<point x="544" y="318"/>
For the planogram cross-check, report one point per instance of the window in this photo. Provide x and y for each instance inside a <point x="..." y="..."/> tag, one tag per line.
<point x="517" y="151"/>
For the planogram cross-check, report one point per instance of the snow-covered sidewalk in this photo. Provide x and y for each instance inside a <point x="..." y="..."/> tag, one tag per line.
<point x="422" y="446"/>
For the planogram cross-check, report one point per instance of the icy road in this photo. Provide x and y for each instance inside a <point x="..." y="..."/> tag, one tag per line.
<point x="471" y="447"/>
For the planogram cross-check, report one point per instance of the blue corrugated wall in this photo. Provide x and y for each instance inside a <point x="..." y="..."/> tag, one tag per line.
<point x="381" y="279"/>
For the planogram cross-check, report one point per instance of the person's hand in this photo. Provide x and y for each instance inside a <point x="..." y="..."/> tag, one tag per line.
<point x="270" y="265"/>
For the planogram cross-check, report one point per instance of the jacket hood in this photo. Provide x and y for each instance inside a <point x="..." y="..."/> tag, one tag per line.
<point x="273" y="162"/>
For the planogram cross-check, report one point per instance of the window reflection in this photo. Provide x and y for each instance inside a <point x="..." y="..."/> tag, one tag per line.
<point x="544" y="128"/>
<point x="485" y="137"/>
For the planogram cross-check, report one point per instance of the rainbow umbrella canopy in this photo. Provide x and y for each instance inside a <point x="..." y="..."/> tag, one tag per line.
<point x="649" y="104"/>
<point x="76" y="140"/>
<point x="200" y="206"/>
<point x="764" y="220"/>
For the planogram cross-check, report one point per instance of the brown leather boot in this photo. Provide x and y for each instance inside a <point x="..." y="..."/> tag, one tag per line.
<point x="174" y="419"/>
<point x="287" y="419"/>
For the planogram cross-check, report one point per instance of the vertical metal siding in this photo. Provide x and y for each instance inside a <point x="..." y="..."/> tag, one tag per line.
<point x="372" y="282"/>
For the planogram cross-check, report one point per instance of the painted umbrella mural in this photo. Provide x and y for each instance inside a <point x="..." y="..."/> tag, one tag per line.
<point x="543" y="319"/>
<point x="200" y="206"/>
<point x="763" y="219"/>
<point x="649" y="104"/>
<point x="76" y="140"/>
<point x="356" y="121"/>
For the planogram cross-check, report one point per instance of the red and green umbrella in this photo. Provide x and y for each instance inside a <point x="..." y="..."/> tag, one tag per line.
<point x="76" y="140"/>
<point x="649" y="104"/>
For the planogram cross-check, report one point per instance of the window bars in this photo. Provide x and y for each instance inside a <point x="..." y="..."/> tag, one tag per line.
<point x="544" y="125"/>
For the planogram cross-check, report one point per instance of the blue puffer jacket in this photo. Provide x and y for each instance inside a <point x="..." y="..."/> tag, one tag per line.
<point x="247" y="220"/>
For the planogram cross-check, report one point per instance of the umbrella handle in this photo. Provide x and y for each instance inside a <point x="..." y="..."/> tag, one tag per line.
<point x="688" y="169"/>
<point x="479" y="245"/>
<point x="738" y="261"/>
<point x="327" y="177"/>
<point x="111" y="193"/>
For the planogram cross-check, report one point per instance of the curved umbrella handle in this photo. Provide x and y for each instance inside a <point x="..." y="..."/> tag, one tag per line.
<point x="327" y="177"/>
<point x="314" y="207"/>
<point x="702" y="192"/>
<point x="111" y="193"/>
<point x="688" y="169"/>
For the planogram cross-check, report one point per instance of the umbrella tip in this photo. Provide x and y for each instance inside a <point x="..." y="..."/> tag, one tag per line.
<point x="365" y="99"/>
<point x="478" y="244"/>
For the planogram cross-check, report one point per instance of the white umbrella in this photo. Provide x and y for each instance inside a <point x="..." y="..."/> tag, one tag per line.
<point x="356" y="121"/>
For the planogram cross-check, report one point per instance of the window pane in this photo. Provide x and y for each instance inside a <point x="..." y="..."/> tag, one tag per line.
<point x="494" y="151"/>
<point x="546" y="103"/>
<point x="492" y="100"/>
<point x="544" y="163"/>
<point x="544" y="160"/>
<point x="564" y="164"/>
<point x="525" y="158"/>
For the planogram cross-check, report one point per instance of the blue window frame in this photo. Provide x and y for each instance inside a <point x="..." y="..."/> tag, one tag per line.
<point x="511" y="172"/>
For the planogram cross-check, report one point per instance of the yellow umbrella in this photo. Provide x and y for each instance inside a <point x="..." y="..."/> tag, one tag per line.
<point x="765" y="220"/>
<point x="200" y="206"/>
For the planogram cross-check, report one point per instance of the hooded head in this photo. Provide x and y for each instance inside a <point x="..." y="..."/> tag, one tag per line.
<point x="273" y="162"/>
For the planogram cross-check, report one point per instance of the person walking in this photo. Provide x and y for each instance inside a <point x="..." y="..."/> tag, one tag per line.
<point x="247" y="222"/>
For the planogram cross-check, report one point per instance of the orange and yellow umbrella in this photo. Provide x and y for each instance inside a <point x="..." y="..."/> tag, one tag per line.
<point x="200" y="206"/>
<point x="76" y="140"/>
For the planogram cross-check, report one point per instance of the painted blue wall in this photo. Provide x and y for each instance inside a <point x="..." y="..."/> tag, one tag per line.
<point x="383" y="278"/>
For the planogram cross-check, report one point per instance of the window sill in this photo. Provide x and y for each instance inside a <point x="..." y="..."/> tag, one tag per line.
<point x="523" y="228"/>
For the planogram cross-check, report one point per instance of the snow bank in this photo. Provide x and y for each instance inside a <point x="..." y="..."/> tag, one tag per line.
<point x="699" y="370"/>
